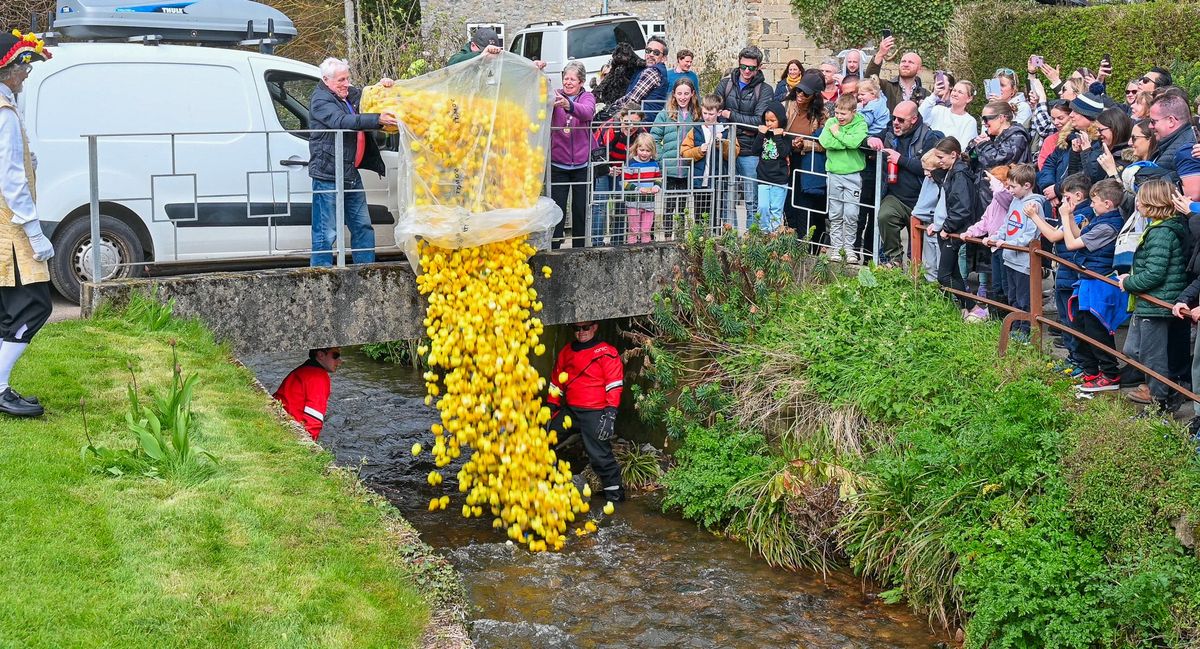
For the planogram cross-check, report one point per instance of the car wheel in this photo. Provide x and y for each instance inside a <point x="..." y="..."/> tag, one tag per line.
<point x="121" y="255"/>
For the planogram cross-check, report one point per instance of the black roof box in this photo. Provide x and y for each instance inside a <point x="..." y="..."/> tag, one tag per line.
<point x="193" y="21"/>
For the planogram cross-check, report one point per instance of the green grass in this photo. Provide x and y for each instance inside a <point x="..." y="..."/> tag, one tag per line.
<point x="274" y="550"/>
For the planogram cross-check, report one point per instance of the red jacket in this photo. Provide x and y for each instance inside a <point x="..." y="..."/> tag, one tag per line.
<point x="595" y="375"/>
<point x="305" y="394"/>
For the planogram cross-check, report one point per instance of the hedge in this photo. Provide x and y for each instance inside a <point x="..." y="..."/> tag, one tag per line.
<point x="918" y="25"/>
<point x="985" y="36"/>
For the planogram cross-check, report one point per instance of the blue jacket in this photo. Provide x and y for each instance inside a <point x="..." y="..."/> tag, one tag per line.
<point x="1055" y="169"/>
<point x="812" y="183"/>
<point x="326" y="110"/>
<point x="1101" y="260"/>
<point x="1108" y="303"/>
<point x="1065" y="278"/>
<point x="656" y="99"/>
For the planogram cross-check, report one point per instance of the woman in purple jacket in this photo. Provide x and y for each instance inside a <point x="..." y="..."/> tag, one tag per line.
<point x="570" y="151"/>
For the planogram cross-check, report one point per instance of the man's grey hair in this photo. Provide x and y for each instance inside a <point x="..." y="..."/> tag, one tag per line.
<point x="332" y="66"/>
<point x="8" y="72"/>
<point x="660" y="40"/>
<point x="578" y="68"/>
<point x="751" y="52"/>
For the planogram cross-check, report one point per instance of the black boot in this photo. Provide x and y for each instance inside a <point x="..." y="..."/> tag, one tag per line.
<point x="11" y="403"/>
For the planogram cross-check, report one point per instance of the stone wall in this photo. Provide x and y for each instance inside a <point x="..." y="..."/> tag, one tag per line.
<point x="516" y="14"/>
<point x="303" y="308"/>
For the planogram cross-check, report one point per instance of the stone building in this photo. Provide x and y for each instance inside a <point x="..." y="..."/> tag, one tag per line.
<point x="714" y="29"/>
<point x="508" y="17"/>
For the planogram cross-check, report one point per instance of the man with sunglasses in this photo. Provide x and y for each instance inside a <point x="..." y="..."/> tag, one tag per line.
<point x="1170" y="119"/>
<point x="744" y="95"/>
<point x="647" y="93"/>
<point x="304" y="392"/>
<point x="905" y="87"/>
<point x="586" y="386"/>
<point x="904" y="145"/>
<point x="1154" y="79"/>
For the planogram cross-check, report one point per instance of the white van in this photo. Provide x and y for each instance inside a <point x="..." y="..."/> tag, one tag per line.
<point x="181" y="199"/>
<point x="590" y="41"/>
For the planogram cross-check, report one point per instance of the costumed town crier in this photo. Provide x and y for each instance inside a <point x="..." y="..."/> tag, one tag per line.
<point x="304" y="392"/>
<point x="24" y="249"/>
<point x="586" y="386"/>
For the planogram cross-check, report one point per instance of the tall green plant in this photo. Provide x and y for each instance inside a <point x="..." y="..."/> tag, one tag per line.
<point x="164" y="432"/>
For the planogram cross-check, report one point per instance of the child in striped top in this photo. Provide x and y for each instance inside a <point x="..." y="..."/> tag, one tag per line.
<point x="642" y="182"/>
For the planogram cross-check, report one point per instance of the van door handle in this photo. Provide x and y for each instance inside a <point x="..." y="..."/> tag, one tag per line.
<point x="294" y="163"/>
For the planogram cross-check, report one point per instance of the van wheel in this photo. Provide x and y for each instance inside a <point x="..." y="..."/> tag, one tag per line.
<point x="120" y="255"/>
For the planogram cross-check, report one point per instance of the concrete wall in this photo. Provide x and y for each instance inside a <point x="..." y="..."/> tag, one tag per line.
<point x="302" y="308"/>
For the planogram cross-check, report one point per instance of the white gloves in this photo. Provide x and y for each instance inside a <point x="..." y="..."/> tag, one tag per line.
<point x="42" y="248"/>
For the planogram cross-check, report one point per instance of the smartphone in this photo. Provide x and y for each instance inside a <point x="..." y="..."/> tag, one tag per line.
<point x="991" y="87"/>
<point x="1107" y="60"/>
<point x="939" y="77"/>
<point x="886" y="33"/>
<point x="1038" y="61"/>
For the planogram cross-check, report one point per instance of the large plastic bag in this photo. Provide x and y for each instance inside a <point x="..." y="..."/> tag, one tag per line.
<point x="473" y="147"/>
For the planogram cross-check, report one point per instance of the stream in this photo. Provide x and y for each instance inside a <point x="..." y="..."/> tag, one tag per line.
<point x="646" y="579"/>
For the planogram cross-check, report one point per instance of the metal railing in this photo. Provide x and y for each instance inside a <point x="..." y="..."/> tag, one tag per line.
<point x="727" y="195"/>
<point x="168" y="156"/>
<point x="1035" y="316"/>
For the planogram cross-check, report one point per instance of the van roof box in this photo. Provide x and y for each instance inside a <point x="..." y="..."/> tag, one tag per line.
<point x="191" y="21"/>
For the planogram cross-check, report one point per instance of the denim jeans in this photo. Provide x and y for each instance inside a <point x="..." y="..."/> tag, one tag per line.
<point x="746" y="167"/>
<point x="770" y="206"/>
<point x="324" y="223"/>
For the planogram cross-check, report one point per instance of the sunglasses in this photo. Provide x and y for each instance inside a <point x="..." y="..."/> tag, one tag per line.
<point x="583" y="327"/>
<point x="1148" y="80"/>
<point x="656" y="52"/>
<point x="988" y="118"/>
<point x="1008" y="72"/>
<point x="748" y="68"/>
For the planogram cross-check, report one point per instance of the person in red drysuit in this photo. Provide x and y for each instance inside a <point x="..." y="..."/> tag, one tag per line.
<point x="304" y="393"/>
<point x="590" y="395"/>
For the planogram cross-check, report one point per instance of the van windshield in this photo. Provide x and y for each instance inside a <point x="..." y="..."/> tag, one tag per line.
<point x="601" y="40"/>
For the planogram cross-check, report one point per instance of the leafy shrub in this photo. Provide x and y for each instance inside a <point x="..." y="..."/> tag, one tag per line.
<point x="398" y="352"/>
<point x="1072" y="37"/>
<point x="919" y="26"/>
<point x="710" y="462"/>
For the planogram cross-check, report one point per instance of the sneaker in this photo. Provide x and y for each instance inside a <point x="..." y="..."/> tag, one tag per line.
<point x="851" y="257"/>
<point x="835" y="255"/>
<point x="978" y="314"/>
<point x="11" y="403"/>
<point x="1077" y="372"/>
<point x="1087" y="378"/>
<point x="1140" y="394"/>
<point x="1101" y="384"/>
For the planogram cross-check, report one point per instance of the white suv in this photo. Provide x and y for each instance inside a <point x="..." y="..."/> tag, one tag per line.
<point x="589" y="40"/>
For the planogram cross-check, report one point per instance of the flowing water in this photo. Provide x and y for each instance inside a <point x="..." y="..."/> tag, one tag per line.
<point x="646" y="579"/>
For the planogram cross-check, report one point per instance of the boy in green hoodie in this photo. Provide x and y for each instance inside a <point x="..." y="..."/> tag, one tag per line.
<point x="842" y="136"/>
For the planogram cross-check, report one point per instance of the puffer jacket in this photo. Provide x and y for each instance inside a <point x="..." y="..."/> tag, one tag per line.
<point x="327" y="111"/>
<point x="962" y="201"/>
<point x="745" y="105"/>
<point x="1159" y="266"/>
<point x="1010" y="147"/>
<point x="668" y="135"/>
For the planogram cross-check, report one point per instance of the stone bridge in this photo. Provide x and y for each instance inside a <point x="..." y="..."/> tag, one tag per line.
<point x="296" y="309"/>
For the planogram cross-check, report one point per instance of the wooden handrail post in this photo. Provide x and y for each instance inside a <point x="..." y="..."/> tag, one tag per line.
<point x="1035" y="292"/>
<point x="916" y="245"/>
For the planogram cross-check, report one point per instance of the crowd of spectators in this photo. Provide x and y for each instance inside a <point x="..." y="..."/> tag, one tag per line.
<point x="1106" y="182"/>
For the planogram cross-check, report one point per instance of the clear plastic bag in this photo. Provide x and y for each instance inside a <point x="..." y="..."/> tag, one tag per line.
<point x="473" y="147"/>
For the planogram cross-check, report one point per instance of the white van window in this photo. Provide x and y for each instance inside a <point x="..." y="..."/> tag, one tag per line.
<point x="533" y="46"/>
<point x="601" y="40"/>
<point x="149" y="98"/>
<point x="517" y="44"/>
<point x="290" y="93"/>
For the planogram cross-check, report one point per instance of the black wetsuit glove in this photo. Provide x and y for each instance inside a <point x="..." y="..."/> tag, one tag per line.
<point x="608" y="421"/>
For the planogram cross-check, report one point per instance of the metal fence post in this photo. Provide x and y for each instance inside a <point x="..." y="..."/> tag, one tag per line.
<point x="94" y="203"/>
<point x="734" y="187"/>
<point x="879" y="181"/>
<point x="1035" y="292"/>
<point x="340" y="198"/>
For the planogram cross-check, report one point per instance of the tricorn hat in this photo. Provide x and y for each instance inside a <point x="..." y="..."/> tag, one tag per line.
<point x="17" y="49"/>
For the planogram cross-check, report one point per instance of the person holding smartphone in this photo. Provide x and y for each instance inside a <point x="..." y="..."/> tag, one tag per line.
<point x="906" y="86"/>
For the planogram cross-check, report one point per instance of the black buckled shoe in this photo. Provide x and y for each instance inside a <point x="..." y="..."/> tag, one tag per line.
<point x="11" y="403"/>
<point x="29" y="398"/>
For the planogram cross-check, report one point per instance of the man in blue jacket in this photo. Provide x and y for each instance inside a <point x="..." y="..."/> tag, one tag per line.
<point x="334" y="105"/>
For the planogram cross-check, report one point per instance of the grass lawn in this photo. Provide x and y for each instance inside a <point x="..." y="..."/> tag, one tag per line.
<point x="274" y="550"/>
